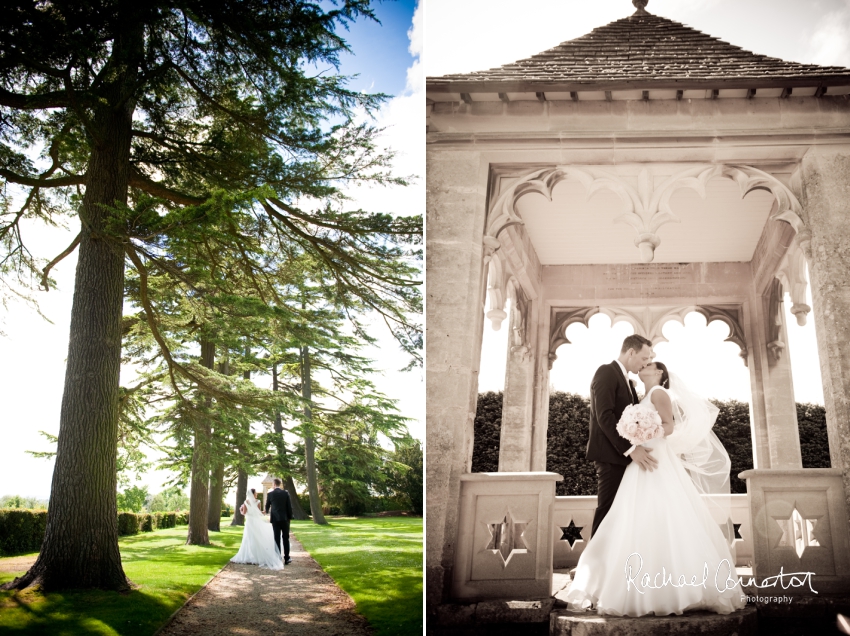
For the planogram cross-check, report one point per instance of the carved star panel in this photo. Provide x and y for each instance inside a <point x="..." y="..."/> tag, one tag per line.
<point x="798" y="532"/>
<point x="506" y="537"/>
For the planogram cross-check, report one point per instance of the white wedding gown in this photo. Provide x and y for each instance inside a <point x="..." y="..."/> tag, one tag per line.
<point x="661" y="516"/>
<point x="258" y="546"/>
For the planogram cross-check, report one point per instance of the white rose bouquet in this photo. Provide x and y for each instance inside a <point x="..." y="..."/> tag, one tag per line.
<point x="639" y="424"/>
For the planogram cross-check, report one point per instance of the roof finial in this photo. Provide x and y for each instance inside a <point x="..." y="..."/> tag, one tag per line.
<point x="640" y="4"/>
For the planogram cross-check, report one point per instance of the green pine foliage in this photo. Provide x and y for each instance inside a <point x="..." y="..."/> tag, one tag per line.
<point x="404" y="479"/>
<point x="568" y="429"/>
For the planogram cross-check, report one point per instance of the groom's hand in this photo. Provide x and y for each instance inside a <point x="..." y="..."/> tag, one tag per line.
<point x="642" y="456"/>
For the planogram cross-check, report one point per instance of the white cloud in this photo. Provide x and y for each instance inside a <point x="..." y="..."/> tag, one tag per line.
<point x="830" y="43"/>
<point x="416" y="33"/>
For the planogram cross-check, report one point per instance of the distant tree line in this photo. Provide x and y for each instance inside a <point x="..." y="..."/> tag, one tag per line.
<point x="568" y="429"/>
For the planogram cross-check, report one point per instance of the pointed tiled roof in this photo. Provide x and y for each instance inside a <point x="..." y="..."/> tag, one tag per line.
<point x="643" y="51"/>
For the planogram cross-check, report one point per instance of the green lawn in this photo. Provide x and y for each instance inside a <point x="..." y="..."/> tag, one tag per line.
<point x="378" y="561"/>
<point x="166" y="571"/>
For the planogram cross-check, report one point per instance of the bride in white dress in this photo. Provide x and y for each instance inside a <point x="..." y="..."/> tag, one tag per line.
<point x="659" y="524"/>
<point x="258" y="546"/>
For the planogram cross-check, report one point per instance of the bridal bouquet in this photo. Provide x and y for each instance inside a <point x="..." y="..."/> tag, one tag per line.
<point x="639" y="424"/>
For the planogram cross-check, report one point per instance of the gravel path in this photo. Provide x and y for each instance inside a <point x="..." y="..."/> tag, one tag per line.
<point x="246" y="600"/>
<point x="17" y="564"/>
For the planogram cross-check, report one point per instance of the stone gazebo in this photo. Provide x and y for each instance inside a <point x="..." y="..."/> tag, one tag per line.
<point x="644" y="171"/>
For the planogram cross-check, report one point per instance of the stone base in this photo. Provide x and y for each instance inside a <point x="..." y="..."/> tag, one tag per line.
<point x="493" y="612"/>
<point x="742" y="623"/>
<point x="803" y="615"/>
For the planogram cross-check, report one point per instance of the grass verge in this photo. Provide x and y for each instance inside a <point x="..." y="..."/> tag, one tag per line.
<point x="166" y="570"/>
<point x="378" y="562"/>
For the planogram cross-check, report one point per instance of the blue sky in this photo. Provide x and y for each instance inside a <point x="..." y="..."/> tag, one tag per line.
<point x="381" y="56"/>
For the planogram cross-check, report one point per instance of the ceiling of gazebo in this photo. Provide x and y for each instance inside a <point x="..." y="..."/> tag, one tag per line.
<point x="574" y="229"/>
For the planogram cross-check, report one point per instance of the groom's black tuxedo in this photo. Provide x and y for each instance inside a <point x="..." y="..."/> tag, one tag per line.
<point x="281" y="512"/>
<point x="610" y="394"/>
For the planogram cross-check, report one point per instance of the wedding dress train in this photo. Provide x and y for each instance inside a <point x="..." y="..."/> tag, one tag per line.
<point x="658" y="526"/>
<point x="258" y="546"/>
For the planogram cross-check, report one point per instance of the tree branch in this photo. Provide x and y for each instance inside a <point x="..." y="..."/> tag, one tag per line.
<point x="36" y="182"/>
<point x="52" y="263"/>
<point x="55" y="99"/>
<point x="143" y="183"/>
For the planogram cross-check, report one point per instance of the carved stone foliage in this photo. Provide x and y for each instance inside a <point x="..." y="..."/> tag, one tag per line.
<point x="647" y="321"/>
<point x="792" y="275"/>
<point x="646" y="207"/>
<point x="773" y="322"/>
<point x="519" y="321"/>
<point x="497" y="281"/>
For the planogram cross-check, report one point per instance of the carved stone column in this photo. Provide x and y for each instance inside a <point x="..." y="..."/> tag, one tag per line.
<point x="456" y="276"/>
<point x="825" y="177"/>
<point x="780" y="407"/>
<point x="517" y="407"/>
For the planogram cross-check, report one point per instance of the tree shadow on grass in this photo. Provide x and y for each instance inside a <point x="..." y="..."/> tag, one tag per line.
<point x="136" y="613"/>
<point x="167" y="573"/>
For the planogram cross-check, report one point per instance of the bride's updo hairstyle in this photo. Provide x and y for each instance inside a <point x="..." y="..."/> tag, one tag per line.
<point x="665" y="375"/>
<point x="254" y="492"/>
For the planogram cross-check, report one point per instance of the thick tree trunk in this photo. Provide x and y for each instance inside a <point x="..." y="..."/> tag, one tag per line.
<point x="309" y="442"/>
<point x="283" y="461"/>
<point x="241" y="493"/>
<point x="199" y="499"/>
<point x="241" y="476"/>
<point x="297" y="511"/>
<point x="80" y="547"/>
<point x="216" y="493"/>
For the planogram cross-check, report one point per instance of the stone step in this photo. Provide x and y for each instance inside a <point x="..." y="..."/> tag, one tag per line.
<point x="741" y="623"/>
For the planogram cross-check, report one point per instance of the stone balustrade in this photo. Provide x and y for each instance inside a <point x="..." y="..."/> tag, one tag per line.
<point x="504" y="546"/>
<point x="799" y="527"/>
<point x="574" y="516"/>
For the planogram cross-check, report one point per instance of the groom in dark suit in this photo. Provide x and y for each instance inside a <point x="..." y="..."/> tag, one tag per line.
<point x="610" y="393"/>
<point x="281" y="506"/>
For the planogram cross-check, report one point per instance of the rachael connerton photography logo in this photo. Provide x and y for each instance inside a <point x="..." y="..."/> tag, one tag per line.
<point x="722" y="577"/>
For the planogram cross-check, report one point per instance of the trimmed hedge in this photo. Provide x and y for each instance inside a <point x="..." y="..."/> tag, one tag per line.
<point x="487" y="428"/>
<point x="21" y="530"/>
<point x="568" y="429"/>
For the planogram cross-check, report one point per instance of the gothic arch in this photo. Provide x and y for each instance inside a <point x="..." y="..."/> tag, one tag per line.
<point x="647" y="207"/>
<point x="647" y="321"/>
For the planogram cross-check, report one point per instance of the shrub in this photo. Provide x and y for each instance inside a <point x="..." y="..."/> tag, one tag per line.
<point x="128" y="523"/>
<point x="814" y="443"/>
<point x="304" y="500"/>
<point x="21" y="530"/>
<point x="487" y="427"/>
<point x="566" y="444"/>
<point x="568" y="431"/>
<point x="145" y="522"/>
<point x="181" y="519"/>
<point x="733" y="430"/>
